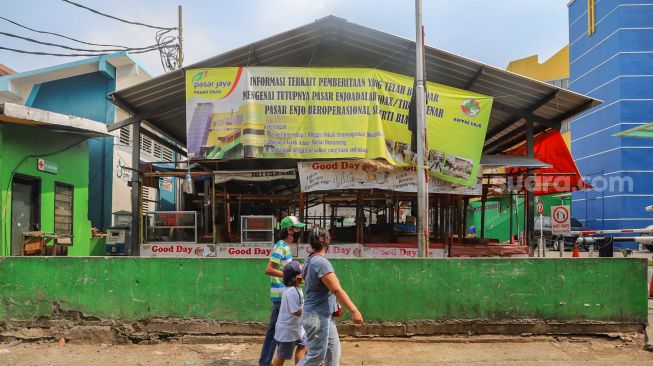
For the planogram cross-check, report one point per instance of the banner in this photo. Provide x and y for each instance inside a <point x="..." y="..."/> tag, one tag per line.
<point x="255" y="175"/>
<point x="333" y="113"/>
<point x="178" y="250"/>
<point x="371" y="174"/>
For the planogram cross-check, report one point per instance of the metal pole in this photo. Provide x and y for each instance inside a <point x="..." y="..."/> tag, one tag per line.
<point x="135" y="193"/>
<point x="484" y="192"/>
<point x="530" y="194"/>
<point x="422" y="193"/>
<point x="180" y="55"/>
<point x="511" y="219"/>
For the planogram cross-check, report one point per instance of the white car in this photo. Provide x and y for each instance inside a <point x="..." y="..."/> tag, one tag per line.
<point x="650" y="233"/>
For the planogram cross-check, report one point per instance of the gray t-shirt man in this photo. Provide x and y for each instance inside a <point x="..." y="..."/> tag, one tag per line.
<point x="318" y="298"/>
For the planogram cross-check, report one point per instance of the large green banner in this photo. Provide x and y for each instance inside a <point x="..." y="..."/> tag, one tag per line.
<point x="333" y="113"/>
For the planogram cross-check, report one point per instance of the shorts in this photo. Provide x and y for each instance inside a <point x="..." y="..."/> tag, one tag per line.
<point x="285" y="350"/>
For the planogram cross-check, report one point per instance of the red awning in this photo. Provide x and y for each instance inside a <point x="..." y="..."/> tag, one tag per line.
<point x="563" y="175"/>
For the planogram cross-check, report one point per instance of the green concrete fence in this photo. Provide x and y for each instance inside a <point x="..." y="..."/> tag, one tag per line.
<point x="611" y="290"/>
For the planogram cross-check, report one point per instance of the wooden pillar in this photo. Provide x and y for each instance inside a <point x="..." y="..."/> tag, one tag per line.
<point x="483" y="200"/>
<point x="302" y="205"/>
<point x="324" y="218"/>
<point x="443" y="218"/>
<point x="460" y="218"/>
<point x="213" y="209"/>
<point x="465" y="207"/>
<point x="227" y="212"/>
<point x="359" y="216"/>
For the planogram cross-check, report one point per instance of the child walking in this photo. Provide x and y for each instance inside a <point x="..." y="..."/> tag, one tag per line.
<point x="288" y="332"/>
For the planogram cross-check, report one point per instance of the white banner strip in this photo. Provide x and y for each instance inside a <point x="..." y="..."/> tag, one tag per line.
<point x="255" y="175"/>
<point x="370" y="174"/>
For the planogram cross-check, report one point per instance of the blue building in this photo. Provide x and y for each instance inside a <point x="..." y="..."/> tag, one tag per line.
<point x="611" y="58"/>
<point x="80" y="88"/>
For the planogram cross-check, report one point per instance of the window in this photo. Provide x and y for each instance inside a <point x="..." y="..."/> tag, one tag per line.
<point x="560" y="83"/>
<point x="157" y="150"/>
<point x="149" y="199"/>
<point x="146" y="145"/>
<point x="167" y="155"/>
<point x="125" y="135"/>
<point x="63" y="209"/>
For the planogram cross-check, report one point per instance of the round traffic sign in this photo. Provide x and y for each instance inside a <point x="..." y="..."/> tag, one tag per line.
<point x="540" y="208"/>
<point x="560" y="215"/>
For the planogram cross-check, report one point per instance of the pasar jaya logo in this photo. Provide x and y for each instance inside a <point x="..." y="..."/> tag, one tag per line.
<point x="470" y="107"/>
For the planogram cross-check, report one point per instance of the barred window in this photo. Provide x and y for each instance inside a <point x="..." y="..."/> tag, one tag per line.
<point x="63" y="209"/>
<point x="157" y="150"/>
<point x="125" y="135"/>
<point x="149" y="199"/>
<point x="167" y="155"/>
<point x="146" y="145"/>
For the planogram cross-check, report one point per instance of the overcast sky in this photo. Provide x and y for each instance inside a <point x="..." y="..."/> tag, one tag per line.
<point x="493" y="32"/>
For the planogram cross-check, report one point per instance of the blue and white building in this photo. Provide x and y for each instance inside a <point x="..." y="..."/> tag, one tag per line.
<point x="611" y="58"/>
<point x="80" y="88"/>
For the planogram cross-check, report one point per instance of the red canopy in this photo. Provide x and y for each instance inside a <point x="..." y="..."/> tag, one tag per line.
<point x="563" y="176"/>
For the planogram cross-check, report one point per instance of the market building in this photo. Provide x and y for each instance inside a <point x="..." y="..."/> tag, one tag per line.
<point x="610" y="57"/>
<point x="240" y="180"/>
<point x="44" y="182"/>
<point x="80" y="89"/>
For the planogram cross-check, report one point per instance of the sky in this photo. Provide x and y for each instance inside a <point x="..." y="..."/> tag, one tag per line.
<point x="494" y="32"/>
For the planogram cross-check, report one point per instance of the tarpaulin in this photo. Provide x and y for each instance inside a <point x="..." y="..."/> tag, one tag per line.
<point x="563" y="175"/>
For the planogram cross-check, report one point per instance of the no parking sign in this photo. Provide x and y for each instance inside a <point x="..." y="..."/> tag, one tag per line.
<point x="560" y="220"/>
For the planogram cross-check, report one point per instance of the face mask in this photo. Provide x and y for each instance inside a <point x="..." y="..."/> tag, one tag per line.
<point x="296" y="236"/>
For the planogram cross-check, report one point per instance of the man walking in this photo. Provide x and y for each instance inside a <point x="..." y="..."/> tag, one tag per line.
<point x="290" y="231"/>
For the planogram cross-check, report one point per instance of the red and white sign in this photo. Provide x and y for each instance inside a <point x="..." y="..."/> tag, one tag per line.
<point x="178" y="250"/>
<point x="540" y="208"/>
<point x="560" y="220"/>
<point x="244" y="250"/>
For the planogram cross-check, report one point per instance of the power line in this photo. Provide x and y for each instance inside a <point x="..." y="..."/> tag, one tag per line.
<point x="78" y="54"/>
<point x="155" y="46"/>
<point x="60" y="35"/>
<point x="116" y="18"/>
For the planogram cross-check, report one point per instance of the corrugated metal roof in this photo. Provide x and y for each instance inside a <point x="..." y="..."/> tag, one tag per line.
<point x="334" y="42"/>
<point x="511" y="161"/>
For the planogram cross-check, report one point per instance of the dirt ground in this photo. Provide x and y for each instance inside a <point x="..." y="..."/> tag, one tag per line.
<point x="486" y="350"/>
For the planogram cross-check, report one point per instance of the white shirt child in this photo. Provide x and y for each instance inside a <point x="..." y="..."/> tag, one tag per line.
<point x="289" y="326"/>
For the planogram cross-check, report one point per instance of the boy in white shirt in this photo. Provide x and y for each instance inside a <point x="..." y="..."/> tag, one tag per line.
<point x="288" y="331"/>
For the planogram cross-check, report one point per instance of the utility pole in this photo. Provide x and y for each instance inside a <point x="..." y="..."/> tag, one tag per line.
<point x="420" y="108"/>
<point x="136" y="191"/>
<point x="180" y="55"/>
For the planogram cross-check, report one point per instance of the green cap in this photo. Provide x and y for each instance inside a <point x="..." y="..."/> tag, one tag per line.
<point x="290" y="221"/>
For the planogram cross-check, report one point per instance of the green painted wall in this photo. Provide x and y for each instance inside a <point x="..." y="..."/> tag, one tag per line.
<point x="19" y="142"/>
<point x="400" y="289"/>
<point x="497" y="220"/>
